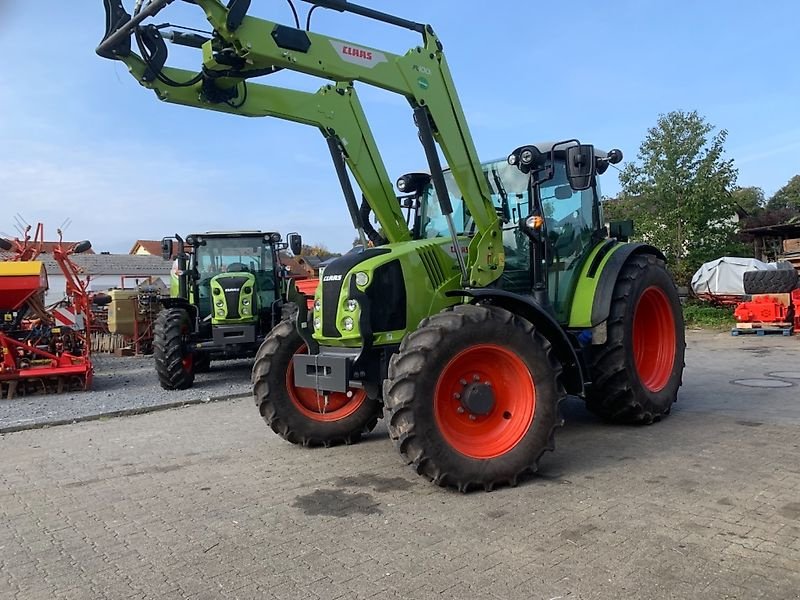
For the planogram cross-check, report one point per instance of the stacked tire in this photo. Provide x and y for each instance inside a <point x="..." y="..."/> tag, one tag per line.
<point x="775" y="281"/>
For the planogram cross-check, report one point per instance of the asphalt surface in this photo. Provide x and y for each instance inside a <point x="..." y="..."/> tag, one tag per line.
<point x="206" y="502"/>
<point x="123" y="384"/>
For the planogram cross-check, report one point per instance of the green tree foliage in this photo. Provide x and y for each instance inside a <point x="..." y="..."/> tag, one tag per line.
<point x="750" y="199"/>
<point x="679" y="192"/>
<point x="319" y="250"/>
<point x="787" y="197"/>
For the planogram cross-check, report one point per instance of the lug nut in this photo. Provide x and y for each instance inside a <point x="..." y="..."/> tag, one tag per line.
<point x="462" y="381"/>
<point x="472" y="417"/>
<point x="476" y="378"/>
<point x="460" y="410"/>
<point x="456" y="395"/>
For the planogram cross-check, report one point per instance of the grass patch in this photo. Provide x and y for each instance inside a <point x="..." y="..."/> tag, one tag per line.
<point x="701" y="315"/>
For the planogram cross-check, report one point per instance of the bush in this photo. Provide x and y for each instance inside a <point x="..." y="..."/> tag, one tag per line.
<point x="700" y="315"/>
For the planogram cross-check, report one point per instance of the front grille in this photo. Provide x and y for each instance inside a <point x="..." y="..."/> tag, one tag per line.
<point x="232" y="288"/>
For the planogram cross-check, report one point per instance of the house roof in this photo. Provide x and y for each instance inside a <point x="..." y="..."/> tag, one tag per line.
<point x="295" y="266"/>
<point x="149" y="246"/>
<point x="113" y="264"/>
<point x="784" y="229"/>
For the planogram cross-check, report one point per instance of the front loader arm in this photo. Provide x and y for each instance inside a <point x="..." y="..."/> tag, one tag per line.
<point x="421" y="75"/>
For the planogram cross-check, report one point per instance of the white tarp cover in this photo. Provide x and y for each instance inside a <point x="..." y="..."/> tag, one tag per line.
<point x="724" y="275"/>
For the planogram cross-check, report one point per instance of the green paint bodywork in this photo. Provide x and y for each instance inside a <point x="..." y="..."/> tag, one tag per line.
<point x="425" y="263"/>
<point x="583" y="299"/>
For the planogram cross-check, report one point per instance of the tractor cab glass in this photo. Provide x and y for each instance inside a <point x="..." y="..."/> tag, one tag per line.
<point x="215" y="256"/>
<point x="569" y="218"/>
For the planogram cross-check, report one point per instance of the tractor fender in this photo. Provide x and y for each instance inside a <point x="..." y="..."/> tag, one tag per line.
<point x="595" y="287"/>
<point x="563" y="342"/>
<point x="180" y="303"/>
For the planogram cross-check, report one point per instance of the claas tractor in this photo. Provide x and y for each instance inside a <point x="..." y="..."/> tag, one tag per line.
<point x="464" y="321"/>
<point x="228" y="290"/>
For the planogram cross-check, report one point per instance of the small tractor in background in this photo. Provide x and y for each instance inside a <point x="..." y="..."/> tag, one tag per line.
<point x="228" y="290"/>
<point x="44" y="350"/>
<point x="473" y="315"/>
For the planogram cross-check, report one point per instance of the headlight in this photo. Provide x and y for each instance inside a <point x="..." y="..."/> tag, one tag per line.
<point x="317" y="323"/>
<point x="245" y="302"/>
<point x="220" y="303"/>
<point x="220" y="313"/>
<point x="317" y="304"/>
<point x="352" y="305"/>
<point x="362" y="278"/>
<point x="349" y="323"/>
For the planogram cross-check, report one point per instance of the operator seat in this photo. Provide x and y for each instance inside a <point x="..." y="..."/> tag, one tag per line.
<point x="237" y="267"/>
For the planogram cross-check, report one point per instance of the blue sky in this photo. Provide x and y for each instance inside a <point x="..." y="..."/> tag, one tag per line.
<point x="81" y="139"/>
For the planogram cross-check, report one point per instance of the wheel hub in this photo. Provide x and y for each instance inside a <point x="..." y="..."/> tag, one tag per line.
<point x="478" y="398"/>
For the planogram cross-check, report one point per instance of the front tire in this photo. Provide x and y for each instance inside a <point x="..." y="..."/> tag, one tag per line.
<point x="300" y="415"/>
<point x="637" y="372"/>
<point x="175" y="367"/>
<point x="472" y="398"/>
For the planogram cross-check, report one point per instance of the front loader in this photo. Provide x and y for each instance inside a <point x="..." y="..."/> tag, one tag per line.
<point x="467" y="324"/>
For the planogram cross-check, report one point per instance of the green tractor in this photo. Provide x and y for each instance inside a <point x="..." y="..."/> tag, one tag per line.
<point x="466" y="320"/>
<point x="228" y="290"/>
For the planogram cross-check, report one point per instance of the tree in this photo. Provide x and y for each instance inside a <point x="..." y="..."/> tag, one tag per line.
<point x="750" y="198"/>
<point x="319" y="250"/>
<point x="788" y="196"/>
<point x="679" y="192"/>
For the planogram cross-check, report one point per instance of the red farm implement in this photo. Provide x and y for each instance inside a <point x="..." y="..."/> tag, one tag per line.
<point x="42" y="351"/>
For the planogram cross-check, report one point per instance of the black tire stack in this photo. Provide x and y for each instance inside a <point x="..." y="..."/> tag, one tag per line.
<point x="775" y="281"/>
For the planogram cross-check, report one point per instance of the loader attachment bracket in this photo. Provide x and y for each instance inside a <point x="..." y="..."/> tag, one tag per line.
<point x="116" y="17"/>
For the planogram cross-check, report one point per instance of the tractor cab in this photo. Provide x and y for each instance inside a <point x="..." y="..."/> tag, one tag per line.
<point x="572" y="223"/>
<point x="236" y="274"/>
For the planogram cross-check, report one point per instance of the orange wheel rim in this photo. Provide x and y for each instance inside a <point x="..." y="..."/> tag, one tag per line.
<point x="510" y="416"/>
<point x="326" y="407"/>
<point x="654" y="340"/>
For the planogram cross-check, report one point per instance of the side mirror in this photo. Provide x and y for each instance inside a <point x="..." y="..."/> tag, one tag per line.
<point x="167" y="247"/>
<point x="295" y="243"/>
<point x="612" y="158"/>
<point x="581" y="166"/>
<point x="413" y="183"/>
<point x="621" y="230"/>
<point x="82" y="247"/>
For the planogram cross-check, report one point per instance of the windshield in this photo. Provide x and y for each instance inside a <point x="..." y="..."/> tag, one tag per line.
<point x="231" y="255"/>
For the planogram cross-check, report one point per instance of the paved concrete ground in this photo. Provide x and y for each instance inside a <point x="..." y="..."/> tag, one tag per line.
<point x="123" y="384"/>
<point x="205" y="502"/>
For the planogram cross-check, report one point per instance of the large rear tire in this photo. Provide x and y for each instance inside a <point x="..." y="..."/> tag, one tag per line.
<point x="472" y="398"/>
<point x="300" y="415"/>
<point x="174" y="366"/>
<point x="637" y="372"/>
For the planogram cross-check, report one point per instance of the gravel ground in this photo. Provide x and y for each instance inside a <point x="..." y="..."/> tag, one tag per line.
<point x="123" y="384"/>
